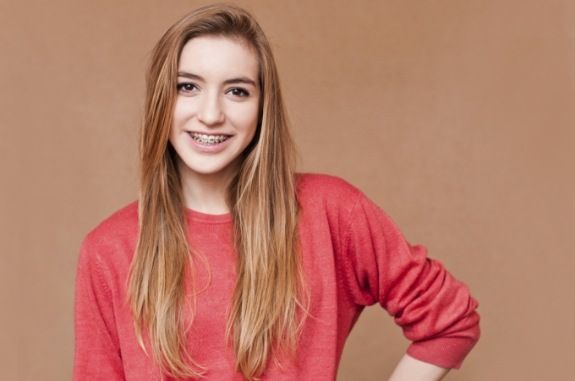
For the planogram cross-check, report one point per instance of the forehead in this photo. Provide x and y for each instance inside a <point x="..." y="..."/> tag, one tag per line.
<point x="217" y="57"/>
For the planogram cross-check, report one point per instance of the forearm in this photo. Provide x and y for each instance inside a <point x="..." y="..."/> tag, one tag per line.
<point x="410" y="369"/>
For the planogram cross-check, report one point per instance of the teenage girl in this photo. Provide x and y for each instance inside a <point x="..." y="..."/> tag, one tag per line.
<point x="232" y="266"/>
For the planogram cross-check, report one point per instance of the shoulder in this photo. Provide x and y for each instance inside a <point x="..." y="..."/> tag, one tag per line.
<point x="322" y="195"/>
<point x="335" y="197"/>
<point x="121" y="222"/>
<point x="321" y="186"/>
<point x="115" y="234"/>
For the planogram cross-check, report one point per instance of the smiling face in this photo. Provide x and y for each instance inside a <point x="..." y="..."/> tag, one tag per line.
<point x="216" y="109"/>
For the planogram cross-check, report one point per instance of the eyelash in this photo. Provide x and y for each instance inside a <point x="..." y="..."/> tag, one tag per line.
<point x="244" y="92"/>
<point x="181" y="87"/>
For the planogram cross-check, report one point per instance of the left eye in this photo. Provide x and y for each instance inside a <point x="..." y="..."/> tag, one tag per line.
<point x="239" y="92"/>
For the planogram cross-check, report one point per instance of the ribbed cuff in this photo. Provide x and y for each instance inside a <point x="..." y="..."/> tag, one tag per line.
<point x="445" y="352"/>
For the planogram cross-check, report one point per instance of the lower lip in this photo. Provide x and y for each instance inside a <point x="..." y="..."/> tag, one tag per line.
<point x="213" y="148"/>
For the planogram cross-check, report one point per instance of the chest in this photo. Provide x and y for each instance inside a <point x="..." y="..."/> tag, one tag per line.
<point x="213" y="280"/>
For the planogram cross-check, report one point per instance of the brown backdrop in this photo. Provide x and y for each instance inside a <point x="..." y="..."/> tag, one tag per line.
<point x="455" y="116"/>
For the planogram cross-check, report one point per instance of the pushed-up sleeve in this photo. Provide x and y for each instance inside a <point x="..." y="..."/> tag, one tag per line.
<point x="97" y="351"/>
<point x="435" y="311"/>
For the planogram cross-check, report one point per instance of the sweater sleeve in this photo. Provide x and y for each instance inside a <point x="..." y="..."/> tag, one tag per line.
<point x="97" y="351"/>
<point x="435" y="311"/>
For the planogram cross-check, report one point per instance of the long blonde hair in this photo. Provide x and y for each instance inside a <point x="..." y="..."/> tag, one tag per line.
<point x="264" y="315"/>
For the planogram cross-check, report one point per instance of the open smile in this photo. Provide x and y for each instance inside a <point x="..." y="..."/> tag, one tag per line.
<point x="208" y="139"/>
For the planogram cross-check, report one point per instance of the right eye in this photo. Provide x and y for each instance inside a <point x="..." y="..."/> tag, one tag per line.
<point x="186" y="87"/>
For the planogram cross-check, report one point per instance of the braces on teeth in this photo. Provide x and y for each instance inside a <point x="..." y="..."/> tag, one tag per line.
<point x="205" y="139"/>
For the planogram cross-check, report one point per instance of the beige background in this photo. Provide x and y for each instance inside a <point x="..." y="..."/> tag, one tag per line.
<point x="455" y="116"/>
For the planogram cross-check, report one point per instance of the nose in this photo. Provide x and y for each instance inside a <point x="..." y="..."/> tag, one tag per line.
<point x="210" y="111"/>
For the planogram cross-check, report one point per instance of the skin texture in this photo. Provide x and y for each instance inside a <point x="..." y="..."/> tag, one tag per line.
<point x="410" y="369"/>
<point x="208" y="104"/>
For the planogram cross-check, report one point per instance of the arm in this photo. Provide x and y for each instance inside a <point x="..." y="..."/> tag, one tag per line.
<point x="97" y="350"/>
<point x="435" y="310"/>
<point x="410" y="369"/>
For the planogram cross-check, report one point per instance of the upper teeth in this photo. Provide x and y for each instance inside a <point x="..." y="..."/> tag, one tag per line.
<point x="208" y="138"/>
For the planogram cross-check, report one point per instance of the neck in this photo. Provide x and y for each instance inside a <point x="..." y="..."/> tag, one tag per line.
<point x="206" y="193"/>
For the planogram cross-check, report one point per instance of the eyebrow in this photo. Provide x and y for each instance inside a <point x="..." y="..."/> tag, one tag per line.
<point x="226" y="82"/>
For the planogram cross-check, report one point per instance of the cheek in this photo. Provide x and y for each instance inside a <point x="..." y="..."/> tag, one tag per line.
<point x="181" y="112"/>
<point x="245" y="118"/>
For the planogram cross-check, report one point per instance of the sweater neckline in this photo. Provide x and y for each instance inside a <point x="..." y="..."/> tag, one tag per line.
<point x="198" y="216"/>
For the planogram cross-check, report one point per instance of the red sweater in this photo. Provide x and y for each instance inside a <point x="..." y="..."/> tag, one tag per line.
<point x="354" y="256"/>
